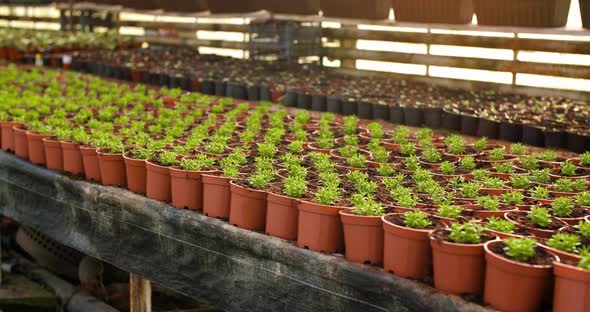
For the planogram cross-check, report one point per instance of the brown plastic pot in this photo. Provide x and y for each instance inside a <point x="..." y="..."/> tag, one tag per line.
<point x="90" y="161"/>
<point x="528" y="13"/>
<point x="136" y="174"/>
<point x="187" y="188"/>
<point x="363" y="237"/>
<point x="247" y="207"/>
<point x="72" y="158"/>
<point x="7" y="134"/>
<point x="157" y="182"/>
<point x="216" y="196"/>
<point x="281" y="216"/>
<point x="572" y="288"/>
<point x="368" y="9"/>
<point x="112" y="168"/>
<point x="53" y="154"/>
<point x="585" y="13"/>
<point x="458" y="268"/>
<point x="433" y="11"/>
<point x="320" y="228"/>
<point x="406" y="251"/>
<point x="21" y="144"/>
<point x="36" y="148"/>
<point x="515" y="286"/>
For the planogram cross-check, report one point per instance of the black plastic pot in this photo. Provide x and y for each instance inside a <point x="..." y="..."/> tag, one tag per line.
<point x="253" y="93"/>
<point x="146" y="77"/>
<point x="554" y="138"/>
<point x="318" y="103"/>
<point x="220" y="88"/>
<point x="450" y="120"/>
<point x="432" y="117"/>
<point x="396" y="115"/>
<point x="265" y="93"/>
<point x="237" y="91"/>
<point x="413" y="116"/>
<point x="333" y="104"/>
<point x="510" y="131"/>
<point x="208" y="87"/>
<point x="381" y="112"/>
<point x="290" y="99"/>
<point x="365" y="110"/>
<point x="532" y="135"/>
<point x="349" y="107"/>
<point x="469" y="124"/>
<point x="577" y="142"/>
<point x="164" y="80"/>
<point x="488" y="128"/>
<point x="30" y="59"/>
<point x="303" y="100"/>
<point x="155" y="79"/>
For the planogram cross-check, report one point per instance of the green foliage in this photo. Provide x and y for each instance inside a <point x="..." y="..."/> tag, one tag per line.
<point x="513" y="198"/>
<point x="568" y="169"/>
<point x="466" y="233"/>
<point x="520" y="249"/>
<point x="494" y="183"/>
<point x="455" y="144"/>
<point x="167" y="159"/>
<point x="547" y="155"/>
<point x="479" y="174"/>
<point x="540" y="192"/>
<point x="470" y="189"/>
<point x="540" y="217"/>
<point x="407" y="148"/>
<point x="497" y="153"/>
<point x="504" y="167"/>
<point x="500" y="225"/>
<point x="468" y="163"/>
<point x="141" y="153"/>
<point x="366" y="206"/>
<point x="386" y="170"/>
<point x="393" y="183"/>
<point x="585" y="159"/>
<point x="411" y="163"/>
<point x="294" y="186"/>
<point x="357" y="161"/>
<point x="518" y="149"/>
<point x="583" y="198"/>
<point x="376" y="130"/>
<point x="296" y="147"/>
<point x="447" y="168"/>
<point x="488" y="202"/>
<point x="481" y="144"/>
<point x="350" y="124"/>
<point x="327" y="196"/>
<point x="529" y="162"/>
<point x="585" y="261"/>
<point x="416" y="219"/>
<point x="564" y="242"/>
<point x="431" y="155"/>
<point x="562" y="207"/>
<point x="267" y="150"/>
<point x="260" y="179"/>
<point x="449" y="211"/>
<point x="570" y="186"/>
<point x="520" y="182"/>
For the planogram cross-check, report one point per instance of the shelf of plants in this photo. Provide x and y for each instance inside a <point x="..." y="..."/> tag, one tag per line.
<point x="553" y="122"/>
<point x="469" y="218"/>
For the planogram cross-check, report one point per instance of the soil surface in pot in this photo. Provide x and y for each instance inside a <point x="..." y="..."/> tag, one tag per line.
<point x="541" y="257"/>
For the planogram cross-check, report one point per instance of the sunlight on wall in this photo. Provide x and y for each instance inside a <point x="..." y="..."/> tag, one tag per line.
<point x="132" y="31"/>
<point x="551" y="81"/>
<point x="400" y="68"/>
<point x="485" y="53"/>
<point x="473" y="33"/>
<point x="330" y="63"/>
<point x="393" y="28"/>
<point x="220" y="35"/>
<point x="473" y="74"/>
<point x="554" y="58"/>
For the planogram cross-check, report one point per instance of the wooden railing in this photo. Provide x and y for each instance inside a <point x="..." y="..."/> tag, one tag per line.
<point x="345" y="49"/>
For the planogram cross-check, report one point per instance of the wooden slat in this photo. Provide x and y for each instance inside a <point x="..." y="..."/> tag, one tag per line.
<point x="30" y="18"/>
<point x="140" y="295"/>
<point x="176" y="41"/>
<point x="571" y="71"/>
<point x="561" y="46"/>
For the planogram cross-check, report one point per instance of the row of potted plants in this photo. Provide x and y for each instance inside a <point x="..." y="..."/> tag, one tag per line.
<point x="330" y="183"/>
<point x="553" y="122"/>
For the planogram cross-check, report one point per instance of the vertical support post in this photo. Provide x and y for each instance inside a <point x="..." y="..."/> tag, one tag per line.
<point x="140" y="294"/>
<point x="349" y="44"/>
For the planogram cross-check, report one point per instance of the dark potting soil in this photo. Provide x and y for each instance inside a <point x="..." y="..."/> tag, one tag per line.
<point x="522" y="219"/>
<point x="541" y="257"/>
<point x="400" y="220"/>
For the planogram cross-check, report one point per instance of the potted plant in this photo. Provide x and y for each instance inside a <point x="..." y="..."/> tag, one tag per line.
<point x="567" y="210"/>
<point x="158" y="175"/>
<point x="216" y="186"/>
<point x="363" y="230"/>
<point x="111" y="162"/>
<point x="538" y="221"/>
<point x="458" y="258"/>
<point x="35" y="134"/>
<point x="281" y="210"/>
<point x="518" y="274"/>
<point x="185" y="181"/>
<point x="135" y="160"/>
<point x="504" y="228"/>
<point x="572" y="282"/>
<point x="70" y="144"/>
<point x="407" y="251"/>
<point x="53" y="154"/>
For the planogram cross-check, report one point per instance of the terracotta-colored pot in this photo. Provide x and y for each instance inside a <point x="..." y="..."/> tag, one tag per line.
<point x="363" y="237"/>
<point x="406" y="251"/>
<point x="90" y="161"/>
<point x="281" y="216"/>
<point x="186" y="188"/>
<point x="216" y="196"/>
<point x="7" y="128"/>
<point x="112" y="168"/>
<point x="53" y="154"/>
<point x="320" y="228"/>
<point x="539" y="232"/>
<point x="485" y="214"/>
<point x="157" y="182"/>
<point x="247" y="207"/>
<point x="572" y="288"/>
<point x="21" y="145"/>
<point x="72" y="158"/>
<point x="136" y="174"/>
<point x="36" y="148"/>
<point x="515" y="286"/>
<point x="458" y="268"/>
